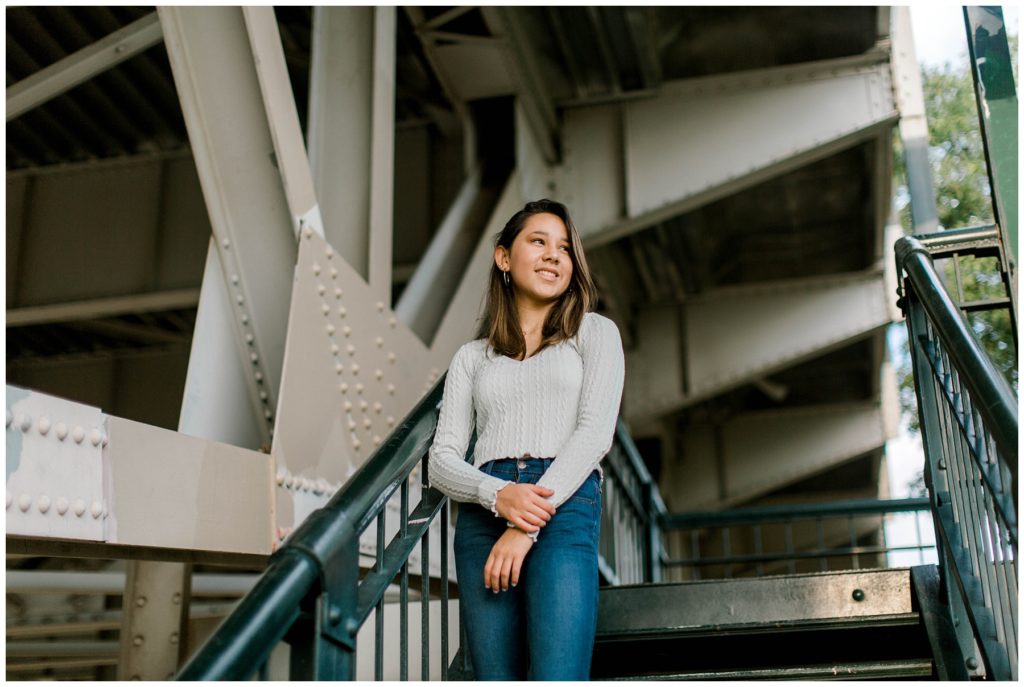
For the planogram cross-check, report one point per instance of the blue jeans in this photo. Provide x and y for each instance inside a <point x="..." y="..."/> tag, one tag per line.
<point x="543" y="628"/>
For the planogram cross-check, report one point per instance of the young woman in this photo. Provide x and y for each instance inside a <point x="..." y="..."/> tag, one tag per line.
<point x="541" y="385"/>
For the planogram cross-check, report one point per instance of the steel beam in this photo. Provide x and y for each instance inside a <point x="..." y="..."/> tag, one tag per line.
<point x="248" y="207"/>
<point x="339" y="127"/>
<point x="155" y="622"/>
<point x="282" y="118"/>
<point x="83" y="65"/>
<point x="103" y="307"/>
<point x="733" y="336"/>
<point x="906" y="76"/>
<point x="996" y="97"/>
<point x="215" y="404"/>
<point x="526" y="77"/>
<point x="112" y="583"/>
<point x="758" y="452"/>
<point x="705" y="138"/>
<point x="382" y="152"/>
<point x="437" y="275"/>
<point x="77" y="475"/>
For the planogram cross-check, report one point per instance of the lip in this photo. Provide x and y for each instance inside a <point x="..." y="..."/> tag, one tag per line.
<point x="548" y="274"/>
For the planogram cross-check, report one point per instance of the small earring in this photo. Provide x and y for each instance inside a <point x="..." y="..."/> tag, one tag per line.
<point x="505" y="275"/>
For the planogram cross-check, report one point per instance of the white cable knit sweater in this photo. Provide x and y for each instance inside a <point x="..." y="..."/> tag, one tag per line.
<point x="562" y="402"/>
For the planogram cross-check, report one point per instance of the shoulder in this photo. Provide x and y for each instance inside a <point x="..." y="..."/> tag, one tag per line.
<point x="597" y="327"/>
<point x="470" y="354"/>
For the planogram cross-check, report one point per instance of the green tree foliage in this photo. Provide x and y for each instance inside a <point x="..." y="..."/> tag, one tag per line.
<point x="963" y="199"/>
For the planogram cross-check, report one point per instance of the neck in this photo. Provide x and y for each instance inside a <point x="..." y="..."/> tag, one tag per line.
<point x="532" y="314"/>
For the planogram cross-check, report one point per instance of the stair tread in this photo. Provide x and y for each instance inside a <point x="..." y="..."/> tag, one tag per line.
<point x="752" y="602"/>
<point x="864" y="670"/>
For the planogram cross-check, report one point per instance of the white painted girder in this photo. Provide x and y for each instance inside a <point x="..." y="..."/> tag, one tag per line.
<point x="82" y="65"/>
<point x="733" y="336"/>
<point x="209" y="48"/>
<point x="767" y="450"/>
<point x="702" y="139"/>
<point x="282" y="117"/>
<point x="75" y="473"/>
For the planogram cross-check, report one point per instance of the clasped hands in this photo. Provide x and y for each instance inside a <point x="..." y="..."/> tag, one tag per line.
<point x="525" y="506"/>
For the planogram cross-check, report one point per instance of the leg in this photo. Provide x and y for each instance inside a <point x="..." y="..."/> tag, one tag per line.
<point x="495" y="626"/>
<point x="561" y="589"/>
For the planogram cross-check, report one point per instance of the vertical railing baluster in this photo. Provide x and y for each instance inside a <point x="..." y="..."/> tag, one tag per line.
<point x="920" y="540"/>
<point x="788" y="534"/>
<point x="758" y="550"/>
<point x="424" y="585"/>
<point x="695" y="545"/>
<point x="853" y="542"/>
<point x="820" y="528"/>
<point x="378" y="620"/>
<point x="444" y="589"/>
<point x="403" y="622"/>
<point x="727" y="551"/>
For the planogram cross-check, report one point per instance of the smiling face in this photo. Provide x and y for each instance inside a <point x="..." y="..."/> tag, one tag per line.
<point x="540" y="264"/>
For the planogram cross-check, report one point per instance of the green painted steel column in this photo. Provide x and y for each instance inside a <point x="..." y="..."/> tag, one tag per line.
<point x="997" y="112"/>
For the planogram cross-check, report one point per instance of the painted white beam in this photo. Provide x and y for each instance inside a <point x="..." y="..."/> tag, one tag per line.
<point x="82" y="65"/>
<point x="103" y="307"/>
<point x="282" y="117"/>
<point x="705" y="138"/>
<point x="233" y="148"/>
<point x="111" y="583"/>
<point x="77" y="474"/>
<point x="339" y="126"/>
<point x="733" y="336"/>
<point x="382" y="152"/>
<point x="425" y="297"/>
<point x="760" y="452"/>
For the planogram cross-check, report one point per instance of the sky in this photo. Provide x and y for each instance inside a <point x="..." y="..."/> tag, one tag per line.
<point x="939" y="34"/>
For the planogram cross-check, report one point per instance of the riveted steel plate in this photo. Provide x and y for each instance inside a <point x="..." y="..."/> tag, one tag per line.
<point x="752" y="603"/>
<point x="54" y="467"/>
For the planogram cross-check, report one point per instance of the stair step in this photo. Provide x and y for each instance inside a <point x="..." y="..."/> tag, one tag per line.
<point x="869" y="670"/>
<point x="766" y="604"/>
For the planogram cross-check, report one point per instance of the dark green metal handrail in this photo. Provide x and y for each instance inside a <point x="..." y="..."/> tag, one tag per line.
<point x="733" y="542"/>
<point x="800" y="511"/>
<point x="968" y="418"/>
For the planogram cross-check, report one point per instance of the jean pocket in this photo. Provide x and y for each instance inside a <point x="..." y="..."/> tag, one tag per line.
<point x="590" y="491"/>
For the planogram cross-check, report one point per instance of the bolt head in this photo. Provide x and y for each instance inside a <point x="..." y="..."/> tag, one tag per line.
<point x="334" y="615"/>
<point x="78" y="434"/>
<point x="95" y="436"/>
<point x="24" y="503"/>
<point x="138" y="640"/>
<point x="972" y="663"/>
<point x="43" y="503"/>
<point x="62" y="505"/>
<point x="140" y="601"/>
<point x="24" y="421"/>
<point x="44" y="425"/>
<point x="858" y="595"/>
<point x="79" y="507"/>
<point x="62" y="430"/>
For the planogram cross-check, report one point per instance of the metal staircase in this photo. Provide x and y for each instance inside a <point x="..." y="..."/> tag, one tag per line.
<point x="953" y="620"/>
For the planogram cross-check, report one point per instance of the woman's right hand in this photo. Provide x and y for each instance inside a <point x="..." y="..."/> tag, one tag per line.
<point x="525" y="505"/>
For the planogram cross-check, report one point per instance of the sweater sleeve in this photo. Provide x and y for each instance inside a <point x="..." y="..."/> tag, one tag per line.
<point x="604" y="371"/>
<point x="448" y="470"/>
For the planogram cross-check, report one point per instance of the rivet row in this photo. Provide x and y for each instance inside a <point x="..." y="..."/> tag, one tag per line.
<point x="23" y="421"/>
<point x="43" y="504"/>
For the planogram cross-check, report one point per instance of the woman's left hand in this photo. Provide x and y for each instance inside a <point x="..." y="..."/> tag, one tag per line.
<point x="506" y="560"/>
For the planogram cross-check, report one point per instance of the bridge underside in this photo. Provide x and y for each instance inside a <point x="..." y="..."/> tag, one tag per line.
<point x="242" y="248"/>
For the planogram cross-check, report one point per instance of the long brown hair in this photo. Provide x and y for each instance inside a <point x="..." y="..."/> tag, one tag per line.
<point x="500" y="323"/>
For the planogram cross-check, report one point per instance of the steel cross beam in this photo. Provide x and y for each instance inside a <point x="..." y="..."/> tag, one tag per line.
<point x="82" y="65"/>
<point x="252" y="219"/>
<point x="705" y="138"/>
